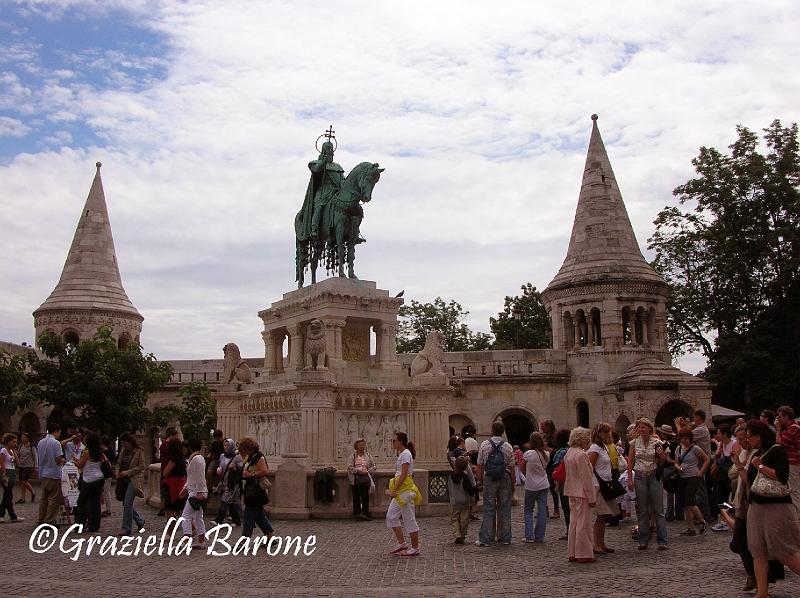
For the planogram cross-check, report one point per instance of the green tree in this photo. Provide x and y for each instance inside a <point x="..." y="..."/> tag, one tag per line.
<point x="198" y="413"/>
<point x="418" y="319"/>
<point x="523" y="323"/>
<point x="15" y="391"/>
<point x="731" y="253"/>
<point x="97" y="385"/>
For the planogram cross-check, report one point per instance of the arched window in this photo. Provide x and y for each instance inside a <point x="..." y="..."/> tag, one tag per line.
<point x="581" y="329"/>
<point x="124" y="340"/>
<point x="595" y="334"/>
<point x="582" y="413"/>
<point x="569" y="330"/>
<point x="627" y="326"/>
<point x="71" y="339"/>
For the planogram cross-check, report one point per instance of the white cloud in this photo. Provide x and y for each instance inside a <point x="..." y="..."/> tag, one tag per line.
<point x="11" y="127"/>
<point x="480" y="118"/>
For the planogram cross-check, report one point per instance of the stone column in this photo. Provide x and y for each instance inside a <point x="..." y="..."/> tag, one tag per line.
<point x="272" y="353"/>
<point x="388" y="342"/>
<point x="590" y="329"/>
<point x="333" y="339"/>
<point x="645" y="340"/>
<point x="576" y="326"/>
<point x="295" y="348"/>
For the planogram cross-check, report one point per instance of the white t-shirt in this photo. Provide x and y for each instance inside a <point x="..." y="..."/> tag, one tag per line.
<point x="404" y="457"/>
<point x="9" y="462"/>
<point x="470" y="444"/>
<point x="92" y="471"/>
<point x="603" y="465"/>
<point x="535" y="474"/>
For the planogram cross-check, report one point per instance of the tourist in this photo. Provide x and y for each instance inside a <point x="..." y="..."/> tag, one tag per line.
<point x="644" y="456"/>
<point x="174" y="477"/>
<point x="519" y="466"/>
<point x="548" y="430"/>
<point x="768" y="417"/>
<point x="254" y="471"/>
<point x="51" y="458"/>
<point x="8" y="475"/>
<point x="196" y="494"/>
<point x="455" y="448"/>
<point x="741" y="455"/>
<point x="789" y="437"/>
<point x="605" y="509"/>
<point x="720" y="468"/>
<point x="27" y="462"/>
<point x="669" y="442"/>
<point x="229" y="488"/>
<point x="105" y="497"/>
<point x="461" y="488"/>
<point x="129" y="481"/>
<point x="164" y="457"/>
<point x="73" y="447"/>
<point x="537" y="488"/>
<point x="579" y="486"/>
<point x="470" y="443"/>
<point x="691" y="463"/>
<point x="360" y="469"/>
<point x="91" y="483"/>
<point x="496" y="475"/>
<point x="405" y="495"/>
<point x="214" y="453"/>
<point x="773" y="530"/>
<point x="561" y="442"/>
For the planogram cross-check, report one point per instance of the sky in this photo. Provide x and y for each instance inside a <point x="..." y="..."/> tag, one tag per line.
<point x="205" y="115"/>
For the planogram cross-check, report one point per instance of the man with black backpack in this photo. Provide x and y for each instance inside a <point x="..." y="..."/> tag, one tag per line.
<point x="496" y="473"/>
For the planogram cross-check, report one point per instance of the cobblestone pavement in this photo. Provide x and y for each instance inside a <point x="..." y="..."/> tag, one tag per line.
<point x="351" y="560"/>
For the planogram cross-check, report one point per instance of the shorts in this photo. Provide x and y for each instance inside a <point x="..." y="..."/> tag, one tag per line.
<point x="690" y="487"/>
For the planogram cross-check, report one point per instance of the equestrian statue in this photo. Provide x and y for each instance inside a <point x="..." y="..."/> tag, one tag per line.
<point x="327" y="226"/>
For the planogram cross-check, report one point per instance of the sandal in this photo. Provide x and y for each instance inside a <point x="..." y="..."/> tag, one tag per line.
<point x="20" y="501"/>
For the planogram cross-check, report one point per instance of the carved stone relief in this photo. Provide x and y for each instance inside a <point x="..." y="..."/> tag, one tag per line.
<point x="376" y="429"/>
<point x="355" y="344"/>
<point x="271" y="432"/>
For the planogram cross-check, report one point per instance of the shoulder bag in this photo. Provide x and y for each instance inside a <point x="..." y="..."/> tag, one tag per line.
<point x="768" y="487"/>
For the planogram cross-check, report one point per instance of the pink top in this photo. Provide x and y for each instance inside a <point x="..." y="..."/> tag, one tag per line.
<point x="580" y="479"/>
<point x="361" y="462"/>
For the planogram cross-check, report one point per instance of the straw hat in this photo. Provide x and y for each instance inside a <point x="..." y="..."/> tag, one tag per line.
<point x="646" y="421"/>
<point x="666" y="430"/>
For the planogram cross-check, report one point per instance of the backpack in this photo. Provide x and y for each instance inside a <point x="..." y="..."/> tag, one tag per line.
<point x="496" y="462"/>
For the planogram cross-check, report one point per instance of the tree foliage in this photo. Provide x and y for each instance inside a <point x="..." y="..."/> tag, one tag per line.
<point x="418" y="319"/>
<point x="731" y="253"/>
<point x="96" y="385"/>
<point x="530" y="329"/>
<point x="198" y="412"/>
<point x="15" y="390"/>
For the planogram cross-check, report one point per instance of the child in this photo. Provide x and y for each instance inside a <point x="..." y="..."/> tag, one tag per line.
<point x="461" y="486"/>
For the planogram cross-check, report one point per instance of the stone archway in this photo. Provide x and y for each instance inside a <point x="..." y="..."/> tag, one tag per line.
<point x="519" y="425"/>
<point x="582" y="414"/>
<point x="672" y="409"/>
<point x="458" y="422"/>
<point x="621" y="426"/>
<point x="29" y="423"/>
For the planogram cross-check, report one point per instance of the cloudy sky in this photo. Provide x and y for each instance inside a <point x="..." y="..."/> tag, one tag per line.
<point x="205" y="114"/>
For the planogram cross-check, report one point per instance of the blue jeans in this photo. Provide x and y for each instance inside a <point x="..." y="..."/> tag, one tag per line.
<point x="650" y="501"/>
<point x="500" y="491"/>
<point x="129" y="514"/>
<point x="538" y="498"/>
<point x="253" y="516"/>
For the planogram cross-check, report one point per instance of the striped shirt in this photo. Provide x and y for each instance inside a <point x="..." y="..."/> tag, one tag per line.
<point x="790" y="439"/>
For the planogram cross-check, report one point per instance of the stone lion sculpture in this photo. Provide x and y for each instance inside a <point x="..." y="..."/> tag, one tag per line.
<point x="235" y="370"/>
<point x="428" y="362"/>
<point x="316" y="350"/>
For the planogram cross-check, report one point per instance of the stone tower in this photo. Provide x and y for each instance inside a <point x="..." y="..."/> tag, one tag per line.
<point x="608" y="308"/>
<point x="89" y="293"/>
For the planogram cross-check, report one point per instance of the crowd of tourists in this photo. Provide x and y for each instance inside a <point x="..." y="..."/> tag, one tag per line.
<point x="746" y="478"/>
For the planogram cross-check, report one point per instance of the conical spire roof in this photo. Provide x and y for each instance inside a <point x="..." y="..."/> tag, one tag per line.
<point x="90" y="279"/>
<point x="602" y="246"/>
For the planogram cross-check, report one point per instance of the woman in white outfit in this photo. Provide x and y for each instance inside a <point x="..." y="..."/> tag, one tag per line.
<point x="405" y="495"/>
<point x="197" y="491"/>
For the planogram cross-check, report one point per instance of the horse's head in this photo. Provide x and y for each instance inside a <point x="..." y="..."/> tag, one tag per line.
<point x="368" y="175"/>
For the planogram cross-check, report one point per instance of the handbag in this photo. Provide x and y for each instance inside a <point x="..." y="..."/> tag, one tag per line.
<point x="560" y="474"/>
<point x="371" y="484"/>
<point x="672" y="481"/>
<point x="769" y="487"/>
<point x="121" y="487"/>
<point x="610" y="490"/>
<point x="105" y="467"/>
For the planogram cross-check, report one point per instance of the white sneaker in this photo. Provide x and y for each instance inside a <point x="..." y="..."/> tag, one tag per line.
<point x="721" y="527"/>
